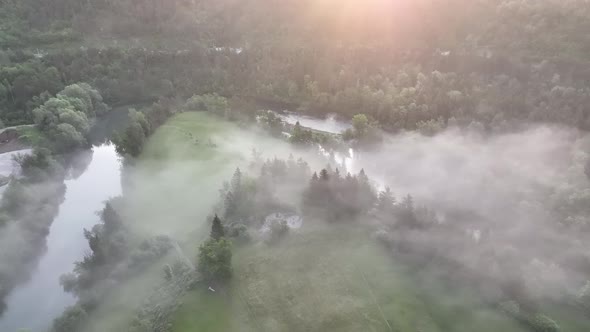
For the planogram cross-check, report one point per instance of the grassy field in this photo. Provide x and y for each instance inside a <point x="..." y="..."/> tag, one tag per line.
<point x="319" y="278"/>
<point x="330" y="278"/>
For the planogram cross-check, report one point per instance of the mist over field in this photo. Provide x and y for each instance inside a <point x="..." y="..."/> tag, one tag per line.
<point x="504" y="191"/>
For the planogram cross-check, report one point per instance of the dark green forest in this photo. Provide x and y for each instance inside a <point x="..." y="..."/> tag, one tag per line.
<point x="407" y="65"/>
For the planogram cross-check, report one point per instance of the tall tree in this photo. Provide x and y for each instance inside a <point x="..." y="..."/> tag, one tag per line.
<point x="217" y="231"/>
<point x="215" y="260"/>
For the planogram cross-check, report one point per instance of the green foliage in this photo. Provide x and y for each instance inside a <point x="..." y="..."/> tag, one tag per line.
<point x="132" y="140"/>
<point x="300" y="136"/>
<point x="39" y="165"/>
<point x="510" y="307"/>
<point x="385" y="203"/>
<point x="214" y="260"/>
<point x="157" y="310"/>
<point x="115" y="256"/>
<point x="337" y="198"/>
<point x="270" y="122"/>
<point x="66" y="137"/>
<point x="65" y="119"/>
<point x="86" y="99"/>
<point x="542" y="323"/>
<point x="141" y="125"/>
<point x="239" y="233"/>
<point x="71" y="320"/>
<point x="538" y="322"/>
<point x="209" y="102"/>
<point x="20" y="86"/>
<point x="360" y="123"/>
<point x="217" y="231"/>
<point x="277" y="231"/>
<point x="238" y="198"/>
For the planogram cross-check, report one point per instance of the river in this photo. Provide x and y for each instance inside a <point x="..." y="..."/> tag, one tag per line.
<point x="34" y="304"/>
<point x="330" y="124"/>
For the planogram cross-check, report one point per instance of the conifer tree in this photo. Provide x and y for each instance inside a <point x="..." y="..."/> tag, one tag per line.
<point x="217" y="231"/>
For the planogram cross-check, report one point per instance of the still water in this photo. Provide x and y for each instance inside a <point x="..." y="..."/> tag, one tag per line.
<point x="34" y="304"/>
<point x="329" y="124"/>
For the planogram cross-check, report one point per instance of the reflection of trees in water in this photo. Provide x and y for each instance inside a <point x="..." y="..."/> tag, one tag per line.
<point x="37" y="205"/>
<point x="77" y="163"/>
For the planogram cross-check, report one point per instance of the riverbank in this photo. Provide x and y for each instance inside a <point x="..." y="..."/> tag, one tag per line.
<point x="28" y="236"/>
<point x="65" y="245"/>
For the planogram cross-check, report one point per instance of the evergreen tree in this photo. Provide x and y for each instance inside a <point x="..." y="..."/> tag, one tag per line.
<point x="230" y="205"/>
<point x="217" y="231"/>
<point x="386" y="201"/>
<point x="299" y="135"/>
<point x="407" y="215"/>
<point x="337" y="174"/>
<point x="236" y="182"/>
<point x="366" y="195"/>
<point x="314" y="177"/>
<point x="111" y="219"/>
<point x="324" y="175"/>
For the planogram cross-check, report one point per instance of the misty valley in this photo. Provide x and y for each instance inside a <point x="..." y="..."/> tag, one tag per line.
<point x="309" y="165"/>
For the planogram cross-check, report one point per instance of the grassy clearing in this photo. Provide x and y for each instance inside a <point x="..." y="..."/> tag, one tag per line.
<point x="330" y="278"/>
<point x="31" y="135"/>
<point x="320" y="278"/>
<point x="184" y="164"/>
<point x="175" y="184"/>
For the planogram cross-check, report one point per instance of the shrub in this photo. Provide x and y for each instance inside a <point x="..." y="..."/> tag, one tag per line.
<point x="278" y="230"/>
<point x="542" y="323"/>
<point x="215" y="260"/>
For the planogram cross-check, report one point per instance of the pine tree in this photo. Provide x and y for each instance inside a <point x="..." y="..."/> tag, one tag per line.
<point x="230" y="205"/>
<point x="217" y="231"/>
<point x="314" y="177"/>
<point x="236" y="182"/>
<point x="386" y="201"/>
<point x="366" y="195"/>
<point x="111" y="219"/>
<point x="407" y="214"/>
<point x="324" y="175"/>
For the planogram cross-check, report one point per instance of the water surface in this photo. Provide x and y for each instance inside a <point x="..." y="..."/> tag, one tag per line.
<point x="34" y="304"/>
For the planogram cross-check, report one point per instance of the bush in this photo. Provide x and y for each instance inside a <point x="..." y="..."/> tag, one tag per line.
<point x="511" y="308"/>
<point x="210" y="102"/>
<point x="39" y="166"/>
<point x="239" y="232"/>
<point x="538" y="322"/>
<point x="71" y="320"/>
<point x="278" y="230"/>
<point x="542" y="323"/>
<point x="215" y="260"/>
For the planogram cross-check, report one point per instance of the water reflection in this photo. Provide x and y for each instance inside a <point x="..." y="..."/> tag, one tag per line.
<point x="329" y="124"/>
<point x="36" y="303"/>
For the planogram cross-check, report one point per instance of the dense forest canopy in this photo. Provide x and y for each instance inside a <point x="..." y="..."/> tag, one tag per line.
<point x="408" y="64"/>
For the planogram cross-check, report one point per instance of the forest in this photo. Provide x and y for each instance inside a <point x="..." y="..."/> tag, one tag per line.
<point x="453" y="195"/>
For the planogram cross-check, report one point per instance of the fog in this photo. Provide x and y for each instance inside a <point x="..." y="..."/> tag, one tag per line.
<point x="519" y="188"/>
<point x="498" y="204"/>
